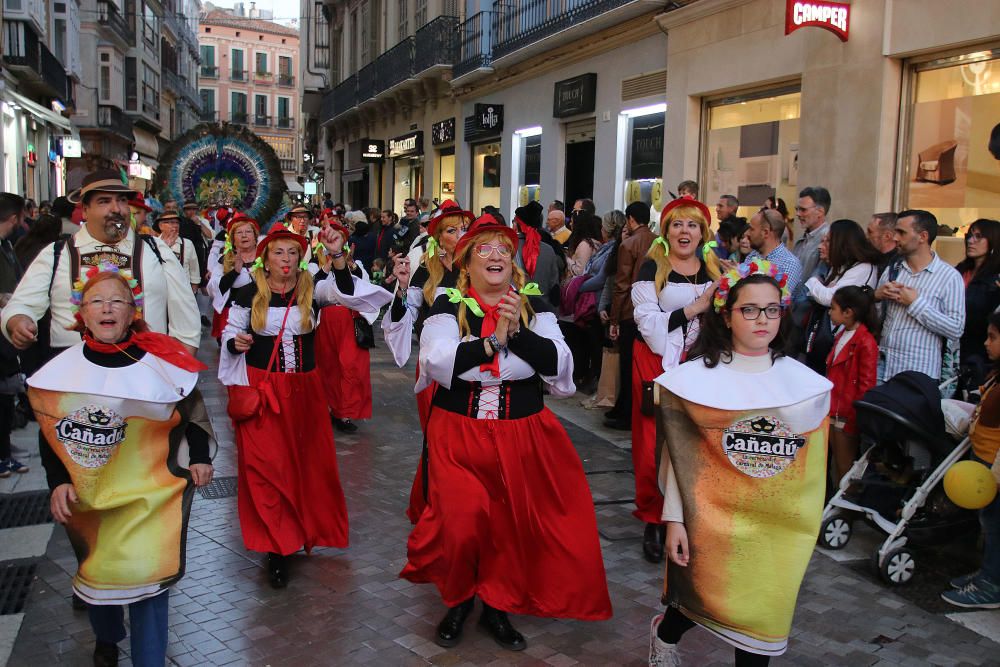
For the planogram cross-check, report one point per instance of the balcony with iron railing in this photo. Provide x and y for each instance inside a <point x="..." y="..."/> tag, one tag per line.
<point x="209" y="72"/>
<point x="393" y="67"/>
<point x="286" y="80"/>
<point x="261" y="120"/>
<point x="115" y="120"/>
<point x="284" y="123"/>
<point x="366" y="82"/>
<point x="208" y="115"/>
<point x="260" y="77"/>
<point x="109" y="17"/>
<point x="36" y="66"/>
<point x="474" y="45"/>
<point x="238" y="75"/>
<point x="238" y="118"/>
<point x="437" y="44"/>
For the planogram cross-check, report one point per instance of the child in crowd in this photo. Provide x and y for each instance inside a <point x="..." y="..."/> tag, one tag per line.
<point x="981" y="590"/>
<point x="850" y="366"/>
<point x="378" y="271"/>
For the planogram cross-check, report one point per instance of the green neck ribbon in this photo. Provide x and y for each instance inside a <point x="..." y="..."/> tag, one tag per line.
<point x="455" y="296"/>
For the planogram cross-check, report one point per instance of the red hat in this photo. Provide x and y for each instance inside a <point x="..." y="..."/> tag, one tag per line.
<point x="447" y="209"/>
<point x="280" y="234"/>
<point x="686" y="200"/>
<point x="139" y="202"/>
<point x="223" y="213"/>
<point x="239" y="219"/>
<point x="486" y="224"/>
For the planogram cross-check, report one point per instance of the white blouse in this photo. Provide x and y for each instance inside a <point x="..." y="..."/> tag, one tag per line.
<point x="859" y="274"/>
<point x="652" y="317"/>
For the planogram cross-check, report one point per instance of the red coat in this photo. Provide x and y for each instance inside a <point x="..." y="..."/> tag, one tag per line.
<point x="852" y="374"/>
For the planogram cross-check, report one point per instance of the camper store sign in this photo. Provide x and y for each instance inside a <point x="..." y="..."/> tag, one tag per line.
<point x="832" y="16"/>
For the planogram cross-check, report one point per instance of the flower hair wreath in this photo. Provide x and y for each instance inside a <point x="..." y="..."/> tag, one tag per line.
<point x="756" y="267"/>
<point x="76" y="294"/>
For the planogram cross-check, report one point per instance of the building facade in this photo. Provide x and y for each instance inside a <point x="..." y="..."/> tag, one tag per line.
<point x="41" y="71"/>
<point x="249" y="76"/>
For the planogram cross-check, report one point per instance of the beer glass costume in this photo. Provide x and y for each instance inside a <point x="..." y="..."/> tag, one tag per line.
<point x="122" y="427"/>
<point x="743" y="464"/>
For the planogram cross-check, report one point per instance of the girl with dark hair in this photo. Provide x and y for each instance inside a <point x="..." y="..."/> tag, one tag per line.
<point x="582" y="243"/>
<point x="851" y="367"/>
<point x="980" y="270"/>
<point x="743" y="459"/>
<point x="778" y="204"/>
<point x="981" y="589"/>
<point x="853" y="260"/>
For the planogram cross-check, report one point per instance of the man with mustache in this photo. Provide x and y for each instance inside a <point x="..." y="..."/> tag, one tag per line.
<point x="106" y="235"/>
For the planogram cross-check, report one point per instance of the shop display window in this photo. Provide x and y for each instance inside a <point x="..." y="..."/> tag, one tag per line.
<point x="644" y="163"/>
<point x="446" y="174"/>
<point x="752" y="149"/>
<point x="529" y="187"/>
<point x="485" y="175"/>
<point x="948" y="169"/>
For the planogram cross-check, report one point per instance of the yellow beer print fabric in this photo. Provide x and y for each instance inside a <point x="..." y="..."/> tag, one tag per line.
<point x="752" y="491"/>
<point x="127" y="528"/>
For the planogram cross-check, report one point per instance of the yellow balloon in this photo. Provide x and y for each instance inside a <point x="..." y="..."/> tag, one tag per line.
<point x="970" y="484"/>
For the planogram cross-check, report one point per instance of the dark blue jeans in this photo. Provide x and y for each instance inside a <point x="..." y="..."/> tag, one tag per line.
<point x="148" y="620"/>
<point x="989" y="519"/>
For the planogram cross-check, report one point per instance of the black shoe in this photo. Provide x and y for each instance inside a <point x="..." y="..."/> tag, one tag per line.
<point x="449" y="631"/>
<point x="105" y="655"/>
<point x="78" y="603"/>
<point x="618" y="424"/>
<point x="345" y="425"/>
<point x="611" y="414"/>
<point x="277" y="570"/>
<point x="652" y="543"/>
<point x="205" y="322"/>
<point x="498" y="625"/>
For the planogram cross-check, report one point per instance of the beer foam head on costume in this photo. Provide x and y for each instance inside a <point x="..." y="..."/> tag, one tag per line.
<point x="445" y="228"/>
<point x="488" y="248"/>
<point x="281" y="241"/>
<point x="93" y="277"/>
<point x="679" y="211"/>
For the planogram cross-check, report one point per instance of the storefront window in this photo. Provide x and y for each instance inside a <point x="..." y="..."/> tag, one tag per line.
<point x="529" y="166"/>
<point x="446" y="174"/>
<point x="752" y="149"/>
<point x="949" y="170"/>
<point x="407" y="181"/>
<point x="485" y="175"/>
<point x="644" y="163"/>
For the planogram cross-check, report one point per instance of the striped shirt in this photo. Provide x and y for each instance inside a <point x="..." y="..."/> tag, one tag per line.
<point x="787" y="263"/>
<point x="912" y="335"/>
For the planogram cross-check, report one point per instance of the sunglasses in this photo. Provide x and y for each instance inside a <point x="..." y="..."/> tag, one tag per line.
<point x="485" y="250"/>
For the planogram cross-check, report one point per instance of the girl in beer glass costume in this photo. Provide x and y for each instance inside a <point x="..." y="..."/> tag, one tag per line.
<point x="742" y="432"/>
<point x="509" y="515"/>
<point x="126" y="441"/>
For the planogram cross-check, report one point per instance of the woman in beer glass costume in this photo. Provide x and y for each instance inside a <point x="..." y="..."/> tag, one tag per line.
<point x="742" y="432"/>
<point x="509" y="516"/>
<point x="126" y="441"/>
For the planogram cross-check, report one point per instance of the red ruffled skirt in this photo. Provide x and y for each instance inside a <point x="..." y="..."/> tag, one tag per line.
<point x="289" y="487"/>
<point x="646" y="367"/>
<point x="510" y="519"/>
<point x="417" y="500"/>
<point x="344" y="367"/>
<point x="219" y="322"/>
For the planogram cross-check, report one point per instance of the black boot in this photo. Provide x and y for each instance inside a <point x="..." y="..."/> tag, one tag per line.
<point x="105" y="655"/>
<point x="498" y="625"/>
<point x="449" y="631"/>
<point x="277" y="570"/>
<point x="344" y="425"/>
<point x="652" y="543"/>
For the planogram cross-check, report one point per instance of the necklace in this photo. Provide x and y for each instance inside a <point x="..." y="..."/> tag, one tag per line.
<point x="179" y="390"/>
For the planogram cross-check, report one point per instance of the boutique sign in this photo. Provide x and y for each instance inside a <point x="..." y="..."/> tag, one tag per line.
<point x="407" y="145"/>
<point x="372" y="150"/>
<point x="832" y="16"/>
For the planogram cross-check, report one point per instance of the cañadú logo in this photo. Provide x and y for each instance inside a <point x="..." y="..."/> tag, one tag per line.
<point x="762" y="446"/>
<point x="91" y="435"/>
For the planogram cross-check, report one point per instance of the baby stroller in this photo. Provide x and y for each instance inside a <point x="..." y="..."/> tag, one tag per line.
<point x="895" y="485"/>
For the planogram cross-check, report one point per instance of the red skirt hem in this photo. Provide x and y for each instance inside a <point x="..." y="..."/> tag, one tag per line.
<point x="646" y="367"/>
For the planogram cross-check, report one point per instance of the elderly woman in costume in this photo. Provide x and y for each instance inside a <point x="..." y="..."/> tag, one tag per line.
<point x="509" y="516"/>
<point x="343" y="359"/>
<point x="230" y="268"/>
<point x="414" y="295"/>
<point x="743" y="434"/>
<point x="673" y="289"/>
<point x="126" y="440"/>
<point x="289" y="488"/>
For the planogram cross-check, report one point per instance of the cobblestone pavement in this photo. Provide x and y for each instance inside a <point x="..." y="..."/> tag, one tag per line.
<point x="348" y="606"/>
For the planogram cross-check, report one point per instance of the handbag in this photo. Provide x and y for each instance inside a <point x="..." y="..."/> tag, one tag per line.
<point x="247" y="401"/>
<point x="364" y="334"/>
<point x="648" y="405"/>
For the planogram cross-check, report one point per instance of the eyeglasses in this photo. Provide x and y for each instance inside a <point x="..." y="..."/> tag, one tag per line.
<point x="753" y="312"/>
<point x="484" y="250"/>
<point x="98" y="303"/>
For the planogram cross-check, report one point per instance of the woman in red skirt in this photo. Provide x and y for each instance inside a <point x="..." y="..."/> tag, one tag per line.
<point x="289" y="487"/>
<point x="673" y="289"/>
<point x="410" y="306"/>
<point x="510" y="517"/>
<point x="230" y="268"/>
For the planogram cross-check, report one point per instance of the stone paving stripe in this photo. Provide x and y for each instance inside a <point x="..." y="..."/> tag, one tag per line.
<point x="24" y="542"/>
<point x="9" y="627"/>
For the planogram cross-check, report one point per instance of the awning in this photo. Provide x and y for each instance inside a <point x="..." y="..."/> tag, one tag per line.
<point x="293" y="185"/>
<point x="146" y="145"/>
<point x="40" y="112"/>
